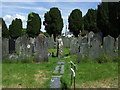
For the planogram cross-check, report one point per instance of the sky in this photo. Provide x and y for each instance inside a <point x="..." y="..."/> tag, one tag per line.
<point x="12" y="10"/>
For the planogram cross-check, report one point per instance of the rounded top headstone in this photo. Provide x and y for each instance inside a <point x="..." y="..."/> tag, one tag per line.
<point x="41" y="36"/>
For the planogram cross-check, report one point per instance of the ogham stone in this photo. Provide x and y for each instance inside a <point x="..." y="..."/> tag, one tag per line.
<point x="41" y="49"/>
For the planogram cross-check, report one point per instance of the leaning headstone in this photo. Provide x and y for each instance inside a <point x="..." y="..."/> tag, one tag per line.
<point x="119" y="45"/>
<point x="59" y="47"/>
<point x="25" y="48"/>
<point x="41" y="49"/>
<point x="108" y="45"/>
<point x="74" y="46"/>
<point x="96" y="49"/>
<point x="5" y="47"/>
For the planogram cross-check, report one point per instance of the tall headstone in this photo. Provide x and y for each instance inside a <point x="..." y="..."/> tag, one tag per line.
<point x="108" y="45"/>
<point x="50" y="42"/>
<point x="98" y="36"/>
<point x="25" y="48"/>
<point x="74" y="46"/>
<point x="5" y="47"/>
<point x="41" y="49"/>
<point x="79" y="39"/>
<point x="59" y="47"/>
<point x="90" y="37"/>
<point x="96" y="49"/>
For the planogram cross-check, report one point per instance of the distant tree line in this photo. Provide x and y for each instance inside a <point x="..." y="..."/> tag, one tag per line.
<point x="105" y="19"/>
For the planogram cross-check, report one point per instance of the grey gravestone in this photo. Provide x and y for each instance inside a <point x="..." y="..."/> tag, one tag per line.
<point x="41" y="49"/>
<point x="90" y="37"/>
<point x="0" y="48"/>
<point x="79" y="57"/>
<point x="5" y="47"/>
<point x="96" y="50"/>
<point x="74" y="46"/>
<point x="59" y="47"/>
<point x="66" y="42"/>
<point x="119" y="45"/>
<point x="84" y="48"/>
<point x="55" y="82"/>
<point x="108" y="45"/>
<point x="17" y="45"/>
<point x="116" y="44"/>
<point x="50" y="42"/>
<point x="84" y="39"/>
<point x="25" y="48"/>
<point x="98" y="36"/>
<point x="79" y="39"/>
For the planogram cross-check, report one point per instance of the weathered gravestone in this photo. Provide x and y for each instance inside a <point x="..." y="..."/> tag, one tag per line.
<point x="79" y="56"/>
<point x="11" y="46"/>
<point x="98" y="36"/>
<point x="0" y="41"/>
<point x="50" y="42"/>
<point x="17" y="45"/>
<point x="5" y="47"/>
<point x="95" y="51"/>
<point x="108" y="45"/>
<point x="90" y="37"/>
<point x="59" y="47"/>
<point x="66" y="42"/>
<point x="79" y="39"/>
<point x="84" y="49"/>
<point x="84" y="39"/>
<point x="119" y="45"/>
<point x="74" y="46"/>
<point x="41" y="49"/>
<point x="25" y="48"/>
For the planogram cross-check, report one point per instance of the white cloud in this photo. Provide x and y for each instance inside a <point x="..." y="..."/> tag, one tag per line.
<point x="8" y="19"/>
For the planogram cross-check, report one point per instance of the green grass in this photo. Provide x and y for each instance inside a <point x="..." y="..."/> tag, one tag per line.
<point x="38" y="75"/>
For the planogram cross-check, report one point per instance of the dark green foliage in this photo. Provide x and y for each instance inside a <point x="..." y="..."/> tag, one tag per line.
<point x="33" y="25"/>
<point x="75" y="22"/>
<point x="5" y="31"/>
<point x="15" y="28"/>
<point x="53" y="22"/>
<point x="90" y="20"/>
<point x="108" y="18"/>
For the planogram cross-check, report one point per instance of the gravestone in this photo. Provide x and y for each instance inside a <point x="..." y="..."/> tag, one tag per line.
<point x="96" y="50"/>
<point x="5" y="47"/>
<point x="79" y="57"/>
<point x="84" y="39"/>
<point x="90" y="37"/>
<point x="41" y="49"/>
<point x="25" y="48"/>
<point x="84" y="49"/>
<point x="50" y="42"/>
<point x="59" y="47"/>
<point x="66" y="42"/>
<point x="119" y="45"/>
<point x="79" y="39"/>
<point x="98" y="36"/>
<point x="74" y="46"/>
<point x="17" y="45"/>
<point x="108" y="45"/>
<point x="116" y="44"/>
<point x="32" y="41"/>
<point x="0" y="40"/>
<point x="11" y="46"/>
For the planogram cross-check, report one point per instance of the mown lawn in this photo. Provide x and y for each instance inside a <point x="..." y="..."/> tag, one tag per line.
<point x="38" y="75"/>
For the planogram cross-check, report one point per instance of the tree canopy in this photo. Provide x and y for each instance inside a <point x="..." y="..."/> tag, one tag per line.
<point x="90" y="20"/>
<point x="33" y="25"/>
<point x="15" y="28"/>
<point x="53" y="22"/>
<point x="5" y="31"/>
<point x="75" y="22"/>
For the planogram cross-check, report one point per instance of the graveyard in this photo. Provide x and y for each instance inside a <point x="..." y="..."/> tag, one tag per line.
<point x="26" y="72"/>
<point x="60" y="45"/>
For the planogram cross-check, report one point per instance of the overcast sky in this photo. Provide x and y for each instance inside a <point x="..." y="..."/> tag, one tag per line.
<point x="12" y="10"/>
